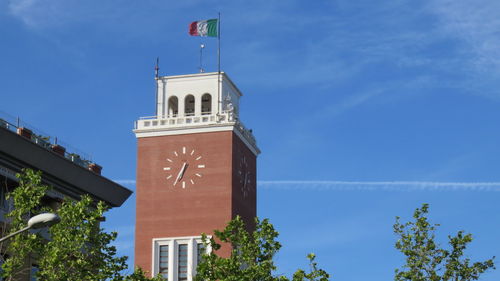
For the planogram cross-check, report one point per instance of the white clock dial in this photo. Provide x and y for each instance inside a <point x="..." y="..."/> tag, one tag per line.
<point x="183" y="167"/>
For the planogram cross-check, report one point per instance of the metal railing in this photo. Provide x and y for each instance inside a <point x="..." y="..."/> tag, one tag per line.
<point x="15" y="124"/>
<point x="176" y="121"/>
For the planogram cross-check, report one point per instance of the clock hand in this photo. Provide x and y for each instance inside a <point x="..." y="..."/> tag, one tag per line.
<point x="184" y="168"/>
<point x="245" y="183"/>
<point x="181" y="173"/>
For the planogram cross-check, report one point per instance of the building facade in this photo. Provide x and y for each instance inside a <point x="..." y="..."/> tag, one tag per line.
<point x="196" y="170"/>
<point x="67" y="173"/>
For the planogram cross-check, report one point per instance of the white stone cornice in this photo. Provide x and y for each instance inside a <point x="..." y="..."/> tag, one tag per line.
<point x="145" y="133"/>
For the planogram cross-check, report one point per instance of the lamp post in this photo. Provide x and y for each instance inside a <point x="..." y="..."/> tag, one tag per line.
<point x="36" y="222"/>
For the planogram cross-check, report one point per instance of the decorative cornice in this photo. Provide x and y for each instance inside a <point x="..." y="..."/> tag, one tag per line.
<point x="224" y="127"/>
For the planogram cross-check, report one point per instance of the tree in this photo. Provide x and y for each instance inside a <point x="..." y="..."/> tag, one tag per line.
<point x="140" y="275"/>
<point x="316" y="273"/>
<point x="426" y="261"/>
<point x="251" y="256"/>
<point x="78" y="249"/>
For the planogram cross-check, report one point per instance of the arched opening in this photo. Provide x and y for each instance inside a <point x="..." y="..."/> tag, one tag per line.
<point x="189" y="105"/>
<point x="173" y="106"/>
<point x="206" y="104"/>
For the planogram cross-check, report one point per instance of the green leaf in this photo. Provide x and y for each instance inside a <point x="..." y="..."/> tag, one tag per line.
<point x="426" y="260"/>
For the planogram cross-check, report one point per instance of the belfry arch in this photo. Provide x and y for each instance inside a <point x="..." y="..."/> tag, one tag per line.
<point x="189" y="105"/>
<point x="206" y="104"/>
<point x="173" y="106"/>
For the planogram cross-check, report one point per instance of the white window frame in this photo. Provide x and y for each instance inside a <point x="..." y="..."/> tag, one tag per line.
<point x="173" y="255"/>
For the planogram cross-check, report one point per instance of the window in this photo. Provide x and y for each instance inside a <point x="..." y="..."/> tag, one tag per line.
<point x="173" y="104"/>
<point x="200" y="250"/>
<point x="206" y="104"/>
<point x="176" y="258"/>
<point x="163" y="265"/>
<point x="189" y="105"/>
<point x="182" y="259"/>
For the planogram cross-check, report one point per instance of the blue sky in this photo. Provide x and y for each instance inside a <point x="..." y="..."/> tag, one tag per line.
<point x="363" y="110"/>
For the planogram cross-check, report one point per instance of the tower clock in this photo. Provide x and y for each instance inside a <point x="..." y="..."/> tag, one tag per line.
<point x="196" y="170"/>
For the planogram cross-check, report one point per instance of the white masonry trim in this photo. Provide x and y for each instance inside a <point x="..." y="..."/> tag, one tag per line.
<point x="186" y="130"/>
<point x="172" y="243"/>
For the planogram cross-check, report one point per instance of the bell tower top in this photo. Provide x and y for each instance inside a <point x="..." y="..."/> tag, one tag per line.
<point x="196" y="103"/>
<point x="196" y="95"/>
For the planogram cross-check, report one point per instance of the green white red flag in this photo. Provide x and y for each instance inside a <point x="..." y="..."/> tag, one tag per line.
<point x="204" y="28"/>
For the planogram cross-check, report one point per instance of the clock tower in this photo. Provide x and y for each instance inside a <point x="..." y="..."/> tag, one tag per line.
<point x="196" y="170"/>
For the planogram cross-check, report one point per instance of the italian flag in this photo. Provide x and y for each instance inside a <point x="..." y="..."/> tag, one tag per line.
<point x="203" y="28"/>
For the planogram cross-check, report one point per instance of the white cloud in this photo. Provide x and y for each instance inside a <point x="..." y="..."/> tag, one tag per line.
<point x="351" y="101"/>
<point x="314" y="46"/>
<point x="33" y="13"/>
<point x="375" y="94"/>
<point x="124" y="15"/>
<point x="18" y="6"/>
<point x="474" y="23"/>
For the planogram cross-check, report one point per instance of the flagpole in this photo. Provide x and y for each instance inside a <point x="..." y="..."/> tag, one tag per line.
<point x="218" y="65"/>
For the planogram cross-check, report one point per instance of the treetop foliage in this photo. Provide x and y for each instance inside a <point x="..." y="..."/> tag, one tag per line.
<point x="251" y="256"/>
<point x="426" y="260"/>
<point x="78" y="248"/>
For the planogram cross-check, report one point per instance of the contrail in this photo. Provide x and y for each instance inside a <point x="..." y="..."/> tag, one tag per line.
<point x="369" y="185"/>
<point x="381" y="185"/>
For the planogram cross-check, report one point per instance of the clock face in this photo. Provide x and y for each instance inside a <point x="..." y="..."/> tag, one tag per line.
<point x="244" y="176"/>
<point x="183" y="167"/>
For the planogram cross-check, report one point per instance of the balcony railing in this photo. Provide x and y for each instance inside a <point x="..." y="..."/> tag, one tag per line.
<point x="50" y="143"/>
<point x="175" y="121"/>
<point x="153" y="121"/>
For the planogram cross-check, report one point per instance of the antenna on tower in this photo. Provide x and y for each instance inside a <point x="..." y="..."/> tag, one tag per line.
<point x="157" y="67"/>
<point x="202" y="46"/>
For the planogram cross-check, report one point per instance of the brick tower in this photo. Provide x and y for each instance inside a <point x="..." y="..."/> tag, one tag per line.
<point x="196" y="170"/>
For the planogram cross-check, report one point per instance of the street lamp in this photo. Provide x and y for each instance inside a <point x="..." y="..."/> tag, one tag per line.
<point x="36" y="222"/>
